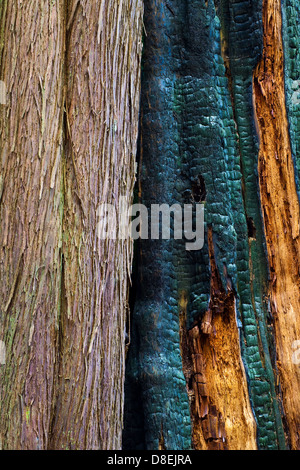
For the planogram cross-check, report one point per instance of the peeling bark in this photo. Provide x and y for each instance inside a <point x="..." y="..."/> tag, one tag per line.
<point x="199" y="143"/>
<point x="212" y="358"/>
<point x="68" y="144"/>
<point x="32" y="53"/>
<point x="102" y="103"/>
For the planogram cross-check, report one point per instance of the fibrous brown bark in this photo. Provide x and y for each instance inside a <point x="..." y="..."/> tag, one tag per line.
<point x="30" y="214"/>
<point x="103" y="71"/>
<point x="68" y="142"/>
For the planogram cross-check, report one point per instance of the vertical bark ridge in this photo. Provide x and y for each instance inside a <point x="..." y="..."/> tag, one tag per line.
<point x="32" y="49"/>
<point x="102" y="102"/>
<point x="63" y="291"/>
<point x="280" y="206"/>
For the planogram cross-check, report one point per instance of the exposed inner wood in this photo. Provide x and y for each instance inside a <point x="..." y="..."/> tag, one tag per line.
<point x="280" y="207"/>
<point x="220" y="405"/>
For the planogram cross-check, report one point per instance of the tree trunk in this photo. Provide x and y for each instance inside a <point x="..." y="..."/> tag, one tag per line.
<point x="31" y="133"/>
<point x="68" y="143"/>
<point x="103" y="71"/>
<point x="214" y="350"/>
<point x="214" y="362"/>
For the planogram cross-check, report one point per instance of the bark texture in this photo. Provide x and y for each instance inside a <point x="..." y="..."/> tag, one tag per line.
<point x="32" y="52"/>
<point x="212" y="363"/>
<point x="280" y="205"/>
<point x="103" y="71"/>
<point x="219" y="126"/>
<point x="68" y="143"/>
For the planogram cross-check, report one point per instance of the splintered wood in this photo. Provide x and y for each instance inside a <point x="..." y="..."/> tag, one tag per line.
<point x="212" y="422"/>
<point x="220" y="405"/>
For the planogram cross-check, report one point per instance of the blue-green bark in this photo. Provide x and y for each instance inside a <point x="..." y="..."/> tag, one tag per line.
<point x="198" y="128"/>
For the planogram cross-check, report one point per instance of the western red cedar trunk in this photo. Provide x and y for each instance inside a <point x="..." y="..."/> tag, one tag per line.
<point x="68" y="142"/>
<point x="215" y="332"/>
<point x="103" y="70"/>
<point x="32" y="51"/>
